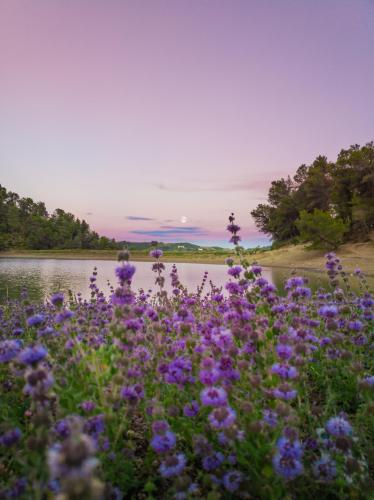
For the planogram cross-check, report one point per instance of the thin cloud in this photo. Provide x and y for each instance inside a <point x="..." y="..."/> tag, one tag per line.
<point x="135" y="217"/>
<point x="181" y="228"/>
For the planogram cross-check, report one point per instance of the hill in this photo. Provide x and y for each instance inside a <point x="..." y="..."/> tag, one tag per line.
<point x="168" y="247"/>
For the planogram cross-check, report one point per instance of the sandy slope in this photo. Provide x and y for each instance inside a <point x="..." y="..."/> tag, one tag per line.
<point x="352" y="255"/>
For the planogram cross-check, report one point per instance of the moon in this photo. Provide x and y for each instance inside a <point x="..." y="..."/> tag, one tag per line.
<point x="184" y="219"/>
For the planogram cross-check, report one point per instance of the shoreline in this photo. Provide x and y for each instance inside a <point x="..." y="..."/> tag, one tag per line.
<point x="58" y="255"/>
<point x="291" y="257"/>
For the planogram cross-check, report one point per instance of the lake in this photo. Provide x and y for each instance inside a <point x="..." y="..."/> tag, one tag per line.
<point x="43" y="276"/>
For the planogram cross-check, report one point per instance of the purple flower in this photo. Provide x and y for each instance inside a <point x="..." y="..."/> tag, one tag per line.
<point x="191" y="409"/>
<point x="48" y="330"/>
<point x="9" y="349"/>
<point x="222" y="418"/>
<point x="270" y="417"/>
<point x="133" y="324"/>
<point x="178" y="371"/>
<point x="368" y="381"/>
<point x="355" y="325"/>
<point x="324" y="469"/>
<point x="233" y="288"/>
<point x="142" y="354"/>
<point x="288" y="448"/>
<point x="284" y="351"/>
<point x="256" y="269"/>
<point x="294" y="282"/>
<point x="235" y="271"/>
<point x="95" y="425"/>
<point x="173" y="465"/>
<point x="233" y="228"/>
<point x="209" y="377"/>
<point x="157" y="267"/>
<point x="38" y="382"/>
<point x="223" y="339"/>
<point x="69" y="344"/>
<point x="279" y="308"/>
<point x="156" y="253"/>
<point x="32" y="355"/>
<point x="57" y="299"/>
<point x="133" y="393"/>
<point x="64" y="316"/>
<point x="284" y="371"/>
<point x="287" y="467"/>
<point x="338" y="426"/>
<point x="88" y="406"/>
<point x="261" y="282"/>
<point x="328" y="311"/>
<point x="285" y="392"/>
<point x="10" y="438"/>
<point x="122" y="296"/>
<point x="301" y="291"/>
<point x="161" y="443"/>
<point x="125" y="272"/>
<point x="213" y="396"/>
<point x="62" y="428"/>
<point x="17" y="489"/>
<point x="35" y="320"/>
<point x="232" y="480"/>
<point x="18" y="331"/>
<point x="235" y="239"/>
<point x="212" y="462"/>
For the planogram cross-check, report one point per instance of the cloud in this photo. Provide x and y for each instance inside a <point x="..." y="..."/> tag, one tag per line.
<point x="182" y="228"/>
<point x="172" y="231"/>
<point x="135" y="217"/>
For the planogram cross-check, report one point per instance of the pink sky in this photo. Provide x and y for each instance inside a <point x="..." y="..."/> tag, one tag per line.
<point x="133" y="114"/>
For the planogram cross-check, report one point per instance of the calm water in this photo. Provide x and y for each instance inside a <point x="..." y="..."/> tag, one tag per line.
<point x="43" y="276"/>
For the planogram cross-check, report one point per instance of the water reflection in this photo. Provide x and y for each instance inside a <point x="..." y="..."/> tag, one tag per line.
<point x="43" y="276"/>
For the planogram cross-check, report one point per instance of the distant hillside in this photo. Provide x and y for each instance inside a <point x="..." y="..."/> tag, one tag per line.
<point x="167" y="247"/>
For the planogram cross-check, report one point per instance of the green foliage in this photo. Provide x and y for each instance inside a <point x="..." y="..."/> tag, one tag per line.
<point x="321" y="229"/>
<point x="26" y="224"/>
<point x="344" y="188"/>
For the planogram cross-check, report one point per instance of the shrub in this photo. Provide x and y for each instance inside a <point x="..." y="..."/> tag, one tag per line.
<point x="321" y="229"/>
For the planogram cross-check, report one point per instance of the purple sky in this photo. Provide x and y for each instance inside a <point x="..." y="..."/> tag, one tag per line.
<point x="134" y="114"/>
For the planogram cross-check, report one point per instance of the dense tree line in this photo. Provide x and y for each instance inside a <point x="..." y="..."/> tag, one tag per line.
<point x="26" y="224"/>
<point x="325" y="203"/>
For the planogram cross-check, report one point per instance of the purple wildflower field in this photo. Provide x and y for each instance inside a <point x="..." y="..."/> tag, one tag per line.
<point x="235" y="393"/>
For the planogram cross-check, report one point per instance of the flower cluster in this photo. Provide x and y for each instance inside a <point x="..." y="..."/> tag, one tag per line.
<point x="244" y="391"/>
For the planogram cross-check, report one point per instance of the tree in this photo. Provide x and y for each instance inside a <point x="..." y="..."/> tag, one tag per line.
<point x="278" y="217"/>
<point x="26" y="224"/>
<point x="315" y="189"/>
<point x="353" y="189"/>
<point x="321" y="229"/>
<point x="344" y="189"/>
